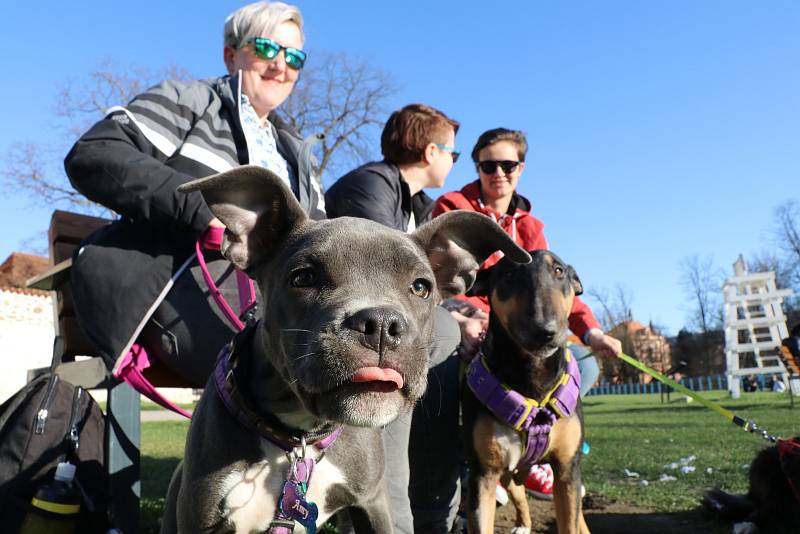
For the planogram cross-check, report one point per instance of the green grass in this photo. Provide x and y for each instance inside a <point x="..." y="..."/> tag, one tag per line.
<point x="162" y="449"/>
<point x="639" y="433"/>
<point x="636" y="432"/>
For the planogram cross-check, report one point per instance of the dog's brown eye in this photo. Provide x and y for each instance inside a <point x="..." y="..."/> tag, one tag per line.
<point x="558" y="271"/>
<point x="421" y="288"/>
<point x="303" y="278"/>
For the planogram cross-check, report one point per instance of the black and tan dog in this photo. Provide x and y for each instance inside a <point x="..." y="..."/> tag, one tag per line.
<point x="341" y="350"/>
<point x="772" y="503"/>
<point x="522" y="404"/>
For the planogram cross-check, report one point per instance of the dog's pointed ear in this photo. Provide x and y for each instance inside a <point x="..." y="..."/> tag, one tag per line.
<point x="458" y="242"/>
<point x="577" y="286"/>
<point x="256" y="207"/>
<point x="482" y="286"/>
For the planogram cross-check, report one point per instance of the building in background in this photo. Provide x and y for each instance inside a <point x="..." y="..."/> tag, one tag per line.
<point x="26" y="322"/>
<point x="644" y="344"/>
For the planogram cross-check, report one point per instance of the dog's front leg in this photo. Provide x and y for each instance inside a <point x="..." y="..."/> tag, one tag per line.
<point x="372" y="517"/>
<point x="523" y="523"/>
<point x="481" y="503"/>
<point x="567" y="498"/>
<point x="565" y="440"/>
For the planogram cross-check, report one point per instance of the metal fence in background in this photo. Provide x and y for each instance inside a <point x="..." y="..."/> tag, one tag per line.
<point x="695" y="383"/>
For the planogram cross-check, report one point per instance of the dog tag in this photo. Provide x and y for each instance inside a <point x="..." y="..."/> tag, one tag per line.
<point x="295" y="506"/>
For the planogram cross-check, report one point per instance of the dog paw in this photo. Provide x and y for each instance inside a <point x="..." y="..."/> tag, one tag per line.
<point x="521" y="530"/>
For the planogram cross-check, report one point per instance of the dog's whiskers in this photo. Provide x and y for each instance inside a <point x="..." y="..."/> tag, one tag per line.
<point x="304" y="356"/>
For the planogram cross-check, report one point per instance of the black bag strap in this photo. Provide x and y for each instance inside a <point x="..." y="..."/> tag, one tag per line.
<point x="58" y="353"/>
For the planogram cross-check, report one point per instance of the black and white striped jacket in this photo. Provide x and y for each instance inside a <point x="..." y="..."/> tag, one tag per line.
<point x="132" y="162"/>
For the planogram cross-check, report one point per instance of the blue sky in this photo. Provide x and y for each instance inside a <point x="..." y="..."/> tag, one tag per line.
<point x="657" y="130"/>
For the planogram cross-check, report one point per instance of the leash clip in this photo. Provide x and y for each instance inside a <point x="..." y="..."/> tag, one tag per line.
<point x="296" y="455"/>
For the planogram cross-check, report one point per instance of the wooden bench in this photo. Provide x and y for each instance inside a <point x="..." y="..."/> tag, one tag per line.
<point x="123" y="431"/>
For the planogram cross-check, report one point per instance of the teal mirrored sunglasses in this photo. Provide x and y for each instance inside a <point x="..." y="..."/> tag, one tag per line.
<point x="269" y="50"/>
<point x="453" y="152"/>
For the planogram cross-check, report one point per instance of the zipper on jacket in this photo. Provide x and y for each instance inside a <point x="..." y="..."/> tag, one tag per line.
<point x="303" y="171"/>
<point x="41" y="415"/>
<point x="72" y="434"/>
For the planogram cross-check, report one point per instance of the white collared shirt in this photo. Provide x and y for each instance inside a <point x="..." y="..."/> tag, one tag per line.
<point x="261" y="145"/>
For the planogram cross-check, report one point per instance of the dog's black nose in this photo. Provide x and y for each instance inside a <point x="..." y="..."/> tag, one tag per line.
<point x="381" y="329"/>
<point x="545" y="333"/>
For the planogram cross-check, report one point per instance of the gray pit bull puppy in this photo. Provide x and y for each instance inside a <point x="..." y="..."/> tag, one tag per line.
<point x="343" y="343"/>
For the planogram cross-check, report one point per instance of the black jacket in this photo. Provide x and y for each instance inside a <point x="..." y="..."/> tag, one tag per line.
<point x="132" y="162"/>
<point x="377" y="191"/>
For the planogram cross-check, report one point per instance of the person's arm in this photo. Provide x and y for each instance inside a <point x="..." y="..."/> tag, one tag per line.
<point x="473" y="323"/>
<point x="120" y="161"/>
<point x="583" y="324"/>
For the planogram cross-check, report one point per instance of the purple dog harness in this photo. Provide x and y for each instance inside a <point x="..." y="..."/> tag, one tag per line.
<point x="534" y="418"/>
<point x="292" y="503"/>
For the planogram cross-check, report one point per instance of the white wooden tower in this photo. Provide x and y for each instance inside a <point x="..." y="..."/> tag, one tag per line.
<point x="754" y="325"/>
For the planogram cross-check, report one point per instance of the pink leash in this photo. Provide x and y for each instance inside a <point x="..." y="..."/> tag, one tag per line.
<point x="212" y="240"/>
<point x="137" y="359"/>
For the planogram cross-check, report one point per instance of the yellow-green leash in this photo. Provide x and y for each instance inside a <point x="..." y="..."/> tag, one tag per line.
<point x="747" y="424"/>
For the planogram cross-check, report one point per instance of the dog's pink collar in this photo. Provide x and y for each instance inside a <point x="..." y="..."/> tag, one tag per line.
<point x="534" y="418"/>
<point x="239" y="408"/>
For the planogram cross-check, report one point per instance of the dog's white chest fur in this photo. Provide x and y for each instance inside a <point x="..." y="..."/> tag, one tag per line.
<point x="250" y="496"/>
<point x="510" y="444"/>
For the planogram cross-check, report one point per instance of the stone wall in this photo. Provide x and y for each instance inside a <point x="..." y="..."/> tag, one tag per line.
<point x="26" y="336"/>
<point x="26" y="342"/>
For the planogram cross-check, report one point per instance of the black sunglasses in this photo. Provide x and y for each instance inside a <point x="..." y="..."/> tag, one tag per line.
<point x="490" y="166"/>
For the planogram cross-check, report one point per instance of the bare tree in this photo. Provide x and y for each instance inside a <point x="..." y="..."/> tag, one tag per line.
<point x="32" y="169"/>
<point x="702" y="282"/>
<point x="786" y="228"/>
<point x="784" y="260"/>
<point x="770" y="260"/>
<point x="786" y="237"/>
<point x="342" y="102"/>
<point x="616" y="305"/>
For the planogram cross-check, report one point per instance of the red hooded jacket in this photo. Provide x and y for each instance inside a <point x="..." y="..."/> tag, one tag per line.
<point x="525" y="229"/>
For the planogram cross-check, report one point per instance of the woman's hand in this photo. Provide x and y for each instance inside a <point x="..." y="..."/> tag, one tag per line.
<point x="473" y="330"/>
<point x="212" y="237"/>
<point x="602" y="344"/>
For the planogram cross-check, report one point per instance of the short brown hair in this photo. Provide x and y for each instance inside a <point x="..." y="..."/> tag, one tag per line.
<point x="410" y="129"/>
<point x="490" y="137"/>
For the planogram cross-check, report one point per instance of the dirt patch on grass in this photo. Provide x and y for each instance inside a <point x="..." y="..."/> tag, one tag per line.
<point x="608" y="517"/>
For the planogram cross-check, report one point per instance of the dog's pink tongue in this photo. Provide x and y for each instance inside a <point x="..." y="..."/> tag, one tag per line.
<point x="372" y="374"/>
